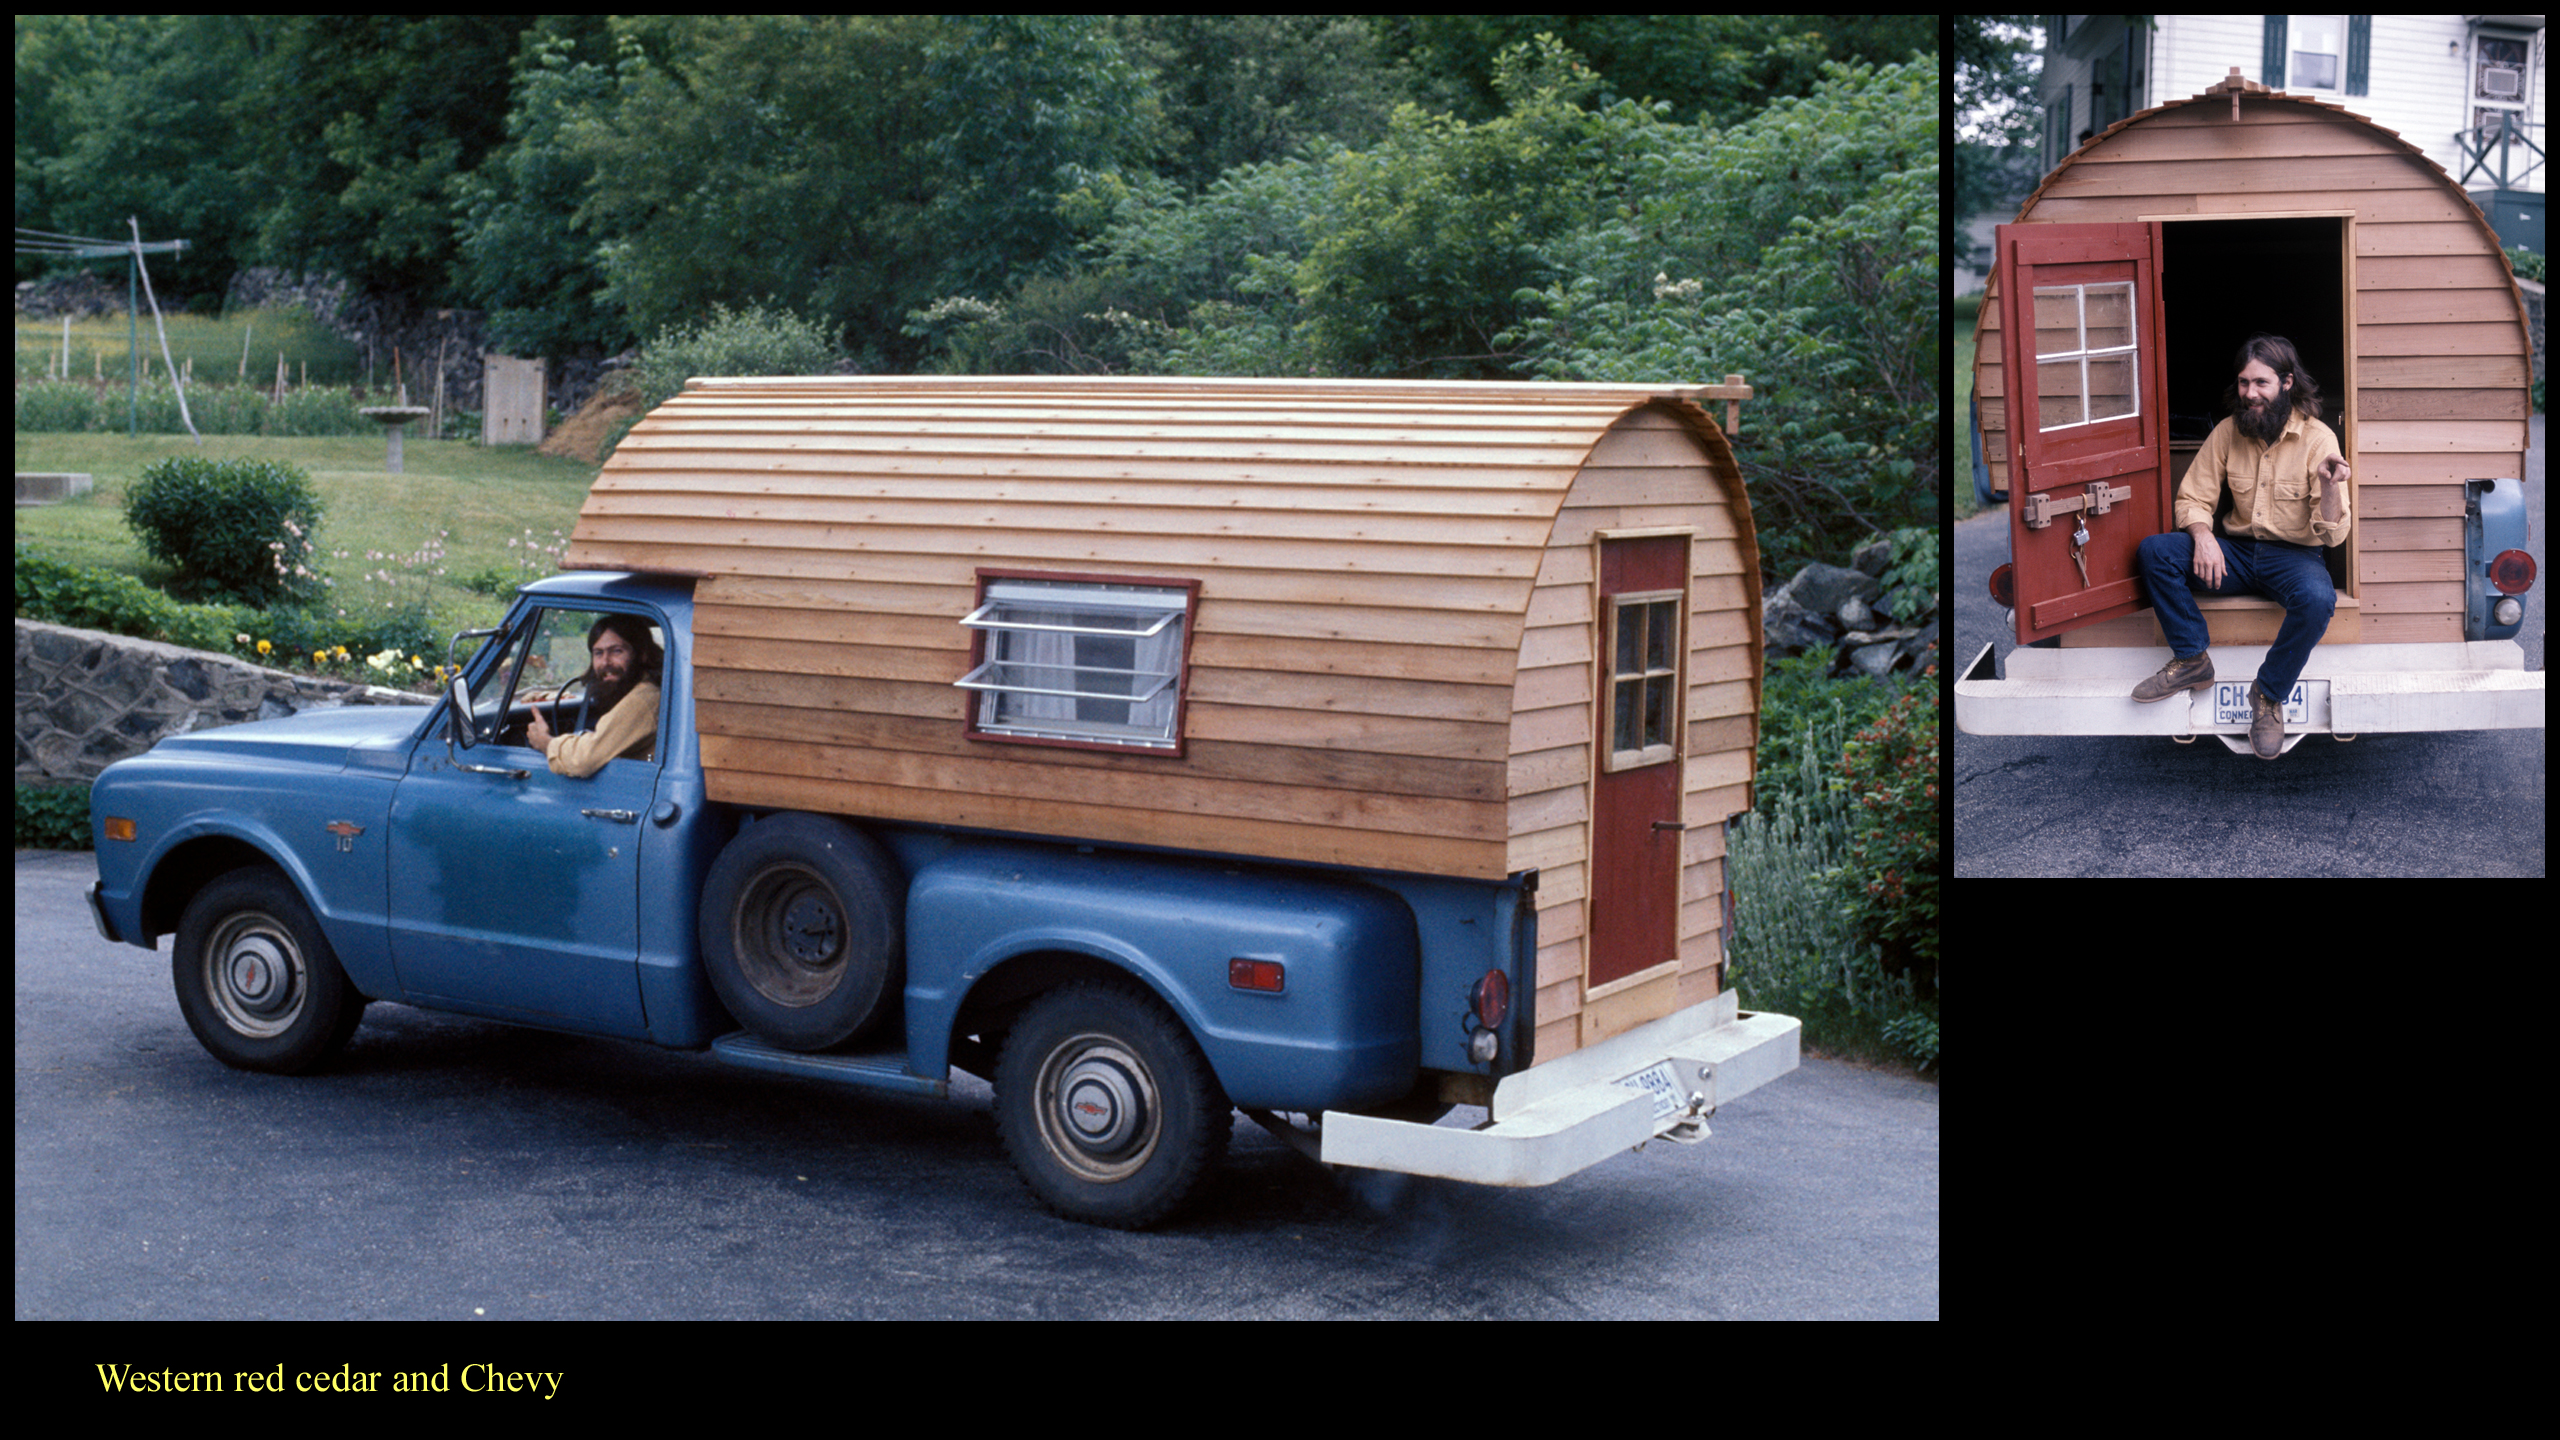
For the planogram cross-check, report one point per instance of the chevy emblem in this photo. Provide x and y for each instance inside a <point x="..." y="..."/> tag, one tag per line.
<point x="346" y="834"/>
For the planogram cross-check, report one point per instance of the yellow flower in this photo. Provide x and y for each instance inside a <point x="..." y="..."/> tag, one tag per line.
<point x="265" y="648"/>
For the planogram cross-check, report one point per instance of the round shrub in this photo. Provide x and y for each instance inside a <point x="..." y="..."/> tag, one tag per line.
<point x="232" y="529"/>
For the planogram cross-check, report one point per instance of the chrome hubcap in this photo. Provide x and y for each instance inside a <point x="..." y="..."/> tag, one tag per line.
<point x="255" y="976"/>
<point x="1101" y="1113"/>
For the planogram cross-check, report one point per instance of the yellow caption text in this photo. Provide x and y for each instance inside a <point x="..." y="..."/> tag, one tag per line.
<point x="345" y="1380"/>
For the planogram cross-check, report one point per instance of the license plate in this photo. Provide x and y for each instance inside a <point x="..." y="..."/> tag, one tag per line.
<point x="2231" y="703"/>
<point x="1663" y="1085"/>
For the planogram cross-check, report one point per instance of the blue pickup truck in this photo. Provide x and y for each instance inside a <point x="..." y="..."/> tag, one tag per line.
<point x="876" y="734"/>
<point x="1120" y="1001"/>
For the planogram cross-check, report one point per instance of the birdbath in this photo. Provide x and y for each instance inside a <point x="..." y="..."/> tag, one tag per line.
<point x="391" y="418"/>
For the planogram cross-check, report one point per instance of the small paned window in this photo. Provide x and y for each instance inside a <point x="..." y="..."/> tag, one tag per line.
<point x="1079" y="662"/>
<point x="2084" y="354"/>
<point x="1644" y="679"/>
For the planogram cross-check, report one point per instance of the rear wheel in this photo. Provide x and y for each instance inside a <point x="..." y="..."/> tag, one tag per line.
<point x="1106" y="1106"/>
<point x="256" y="978"/>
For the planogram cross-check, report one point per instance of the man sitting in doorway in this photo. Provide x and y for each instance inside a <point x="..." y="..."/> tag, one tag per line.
<point x="2288" y="486"/>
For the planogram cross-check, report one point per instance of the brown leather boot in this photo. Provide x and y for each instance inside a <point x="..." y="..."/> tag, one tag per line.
<point x="2266" y="724"/>
<point x="2193" y="673"/>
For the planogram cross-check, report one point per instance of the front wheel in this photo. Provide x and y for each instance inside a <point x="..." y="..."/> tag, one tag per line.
<point x="256" y="978"/>
<point x="1106" y="1107"/>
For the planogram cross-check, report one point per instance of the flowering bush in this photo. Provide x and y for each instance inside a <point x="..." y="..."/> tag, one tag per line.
<point x="1890" y="772"/>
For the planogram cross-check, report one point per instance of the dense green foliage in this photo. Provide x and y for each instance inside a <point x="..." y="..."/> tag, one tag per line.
<point x="60" y="593"/>
<point x="1664" y="198"/>
<point x="231" y="529"/>
<point x="1814" y="935"/>
<point x="1890" y="773"/>
<point x="589" y="179"/>
<point x="753" y="341"/>
<point x="58" y="406"/>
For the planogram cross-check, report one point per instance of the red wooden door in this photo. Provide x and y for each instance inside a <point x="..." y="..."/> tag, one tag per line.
<point x="2086" y="374"/>
<point x="1635" y="832"/>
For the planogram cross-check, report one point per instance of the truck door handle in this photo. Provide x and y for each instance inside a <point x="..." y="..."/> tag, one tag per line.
<point x="618" y="817"/>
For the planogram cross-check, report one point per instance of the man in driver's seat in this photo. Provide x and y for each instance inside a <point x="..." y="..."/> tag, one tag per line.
<point x="621" y="703"/>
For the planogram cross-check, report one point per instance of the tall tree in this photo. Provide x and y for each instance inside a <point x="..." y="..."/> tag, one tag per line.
<point x="359" y="125"/>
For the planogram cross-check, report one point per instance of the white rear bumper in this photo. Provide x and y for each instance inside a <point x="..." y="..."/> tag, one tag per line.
<point x="2349" y="690"/>
<point x="1566" y="1115"/>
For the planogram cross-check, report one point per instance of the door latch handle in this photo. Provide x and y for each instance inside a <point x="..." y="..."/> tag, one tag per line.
<point x="1670" y="825"/>
<point x="2098" y="497"/>
<point x="618" y="817"/>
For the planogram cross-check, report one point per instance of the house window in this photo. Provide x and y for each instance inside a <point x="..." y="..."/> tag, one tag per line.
<point x="2317" y="42"/>
<point x="1088" y="662"/>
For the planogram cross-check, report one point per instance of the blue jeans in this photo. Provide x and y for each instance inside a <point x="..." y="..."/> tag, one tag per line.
<point x="2291" y="575"/>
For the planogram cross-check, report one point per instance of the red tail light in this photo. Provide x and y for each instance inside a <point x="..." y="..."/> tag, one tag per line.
<point x="2512" y="572"/>
<point x="1492" y="999"/>
<point x="2004" y="584"/>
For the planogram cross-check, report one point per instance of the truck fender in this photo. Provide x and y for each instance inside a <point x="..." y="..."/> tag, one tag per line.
<point x="1342" y="1031"/>
<point x="194" y="854"/>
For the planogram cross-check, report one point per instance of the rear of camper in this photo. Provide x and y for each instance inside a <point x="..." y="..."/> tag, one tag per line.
<point x="2134" y="273"/>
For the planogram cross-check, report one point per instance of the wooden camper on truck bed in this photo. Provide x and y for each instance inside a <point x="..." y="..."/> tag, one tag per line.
<point x="2202" y="222"/>
<point x="1445" y="628"/>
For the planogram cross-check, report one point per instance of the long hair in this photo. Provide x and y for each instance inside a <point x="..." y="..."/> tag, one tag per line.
<point x="647" y="659"/>
<point x="2277" y="354"/>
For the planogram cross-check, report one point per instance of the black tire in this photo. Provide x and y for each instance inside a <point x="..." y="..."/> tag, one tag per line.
<point x="1107" y="1108"/>
<point x="803" y="931"/>
<point x="256" y="978"/>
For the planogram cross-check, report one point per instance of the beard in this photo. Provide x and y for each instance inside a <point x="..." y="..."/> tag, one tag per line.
<point x="2263" y="423"/>
<point x="603" y="694"/>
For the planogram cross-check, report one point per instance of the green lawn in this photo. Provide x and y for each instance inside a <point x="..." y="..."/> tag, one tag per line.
<point x="460" y="510"/>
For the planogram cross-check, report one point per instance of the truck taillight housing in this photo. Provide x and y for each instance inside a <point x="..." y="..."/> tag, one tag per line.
<point x="2004" y="584"/>
<point x="1491" y="999"/>
<point x="1268" y="976"/>
<point x="2511" y="571"/>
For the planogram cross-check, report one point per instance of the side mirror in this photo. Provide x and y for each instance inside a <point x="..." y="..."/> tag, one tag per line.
<point x="458" y="696"/>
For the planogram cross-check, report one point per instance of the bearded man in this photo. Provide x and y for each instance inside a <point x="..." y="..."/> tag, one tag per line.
<point x="623" y="668"/>
<point x="2288" y="485"/>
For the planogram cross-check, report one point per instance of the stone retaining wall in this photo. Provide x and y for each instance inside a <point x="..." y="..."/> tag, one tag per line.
<point x="87" y="699"/>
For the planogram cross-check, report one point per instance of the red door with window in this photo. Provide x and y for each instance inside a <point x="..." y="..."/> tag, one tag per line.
<point x="1635" y="842"/>
<point x="2085" y="371"/>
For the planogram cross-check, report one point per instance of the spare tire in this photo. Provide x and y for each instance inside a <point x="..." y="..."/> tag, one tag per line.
<point x="803" y="931"/>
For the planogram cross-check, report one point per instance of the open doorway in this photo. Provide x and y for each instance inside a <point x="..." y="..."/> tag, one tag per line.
<point x="2227" y="278"/>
